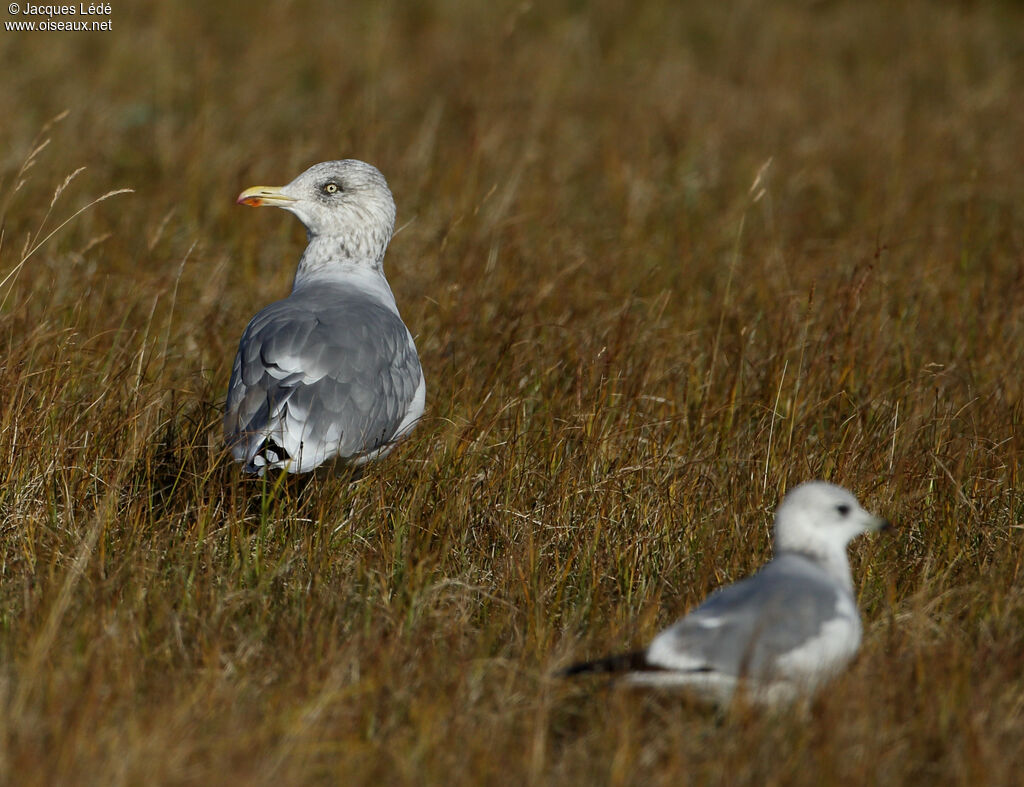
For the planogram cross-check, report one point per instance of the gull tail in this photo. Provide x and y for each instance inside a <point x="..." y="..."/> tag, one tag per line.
<point x="635" y="661"/>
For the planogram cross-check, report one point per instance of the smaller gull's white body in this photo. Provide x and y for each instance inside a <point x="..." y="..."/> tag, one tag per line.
<point x="331" y="371"/>
<point x="780" y="633"/>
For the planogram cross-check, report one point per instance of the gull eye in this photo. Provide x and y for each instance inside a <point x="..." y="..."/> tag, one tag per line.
<point x="843" y="509"/>
<point x="330" y="187"/>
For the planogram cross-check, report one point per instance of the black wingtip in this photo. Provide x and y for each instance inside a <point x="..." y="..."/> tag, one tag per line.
<point x="271" y="454"/>
<point x="635" y="661"/>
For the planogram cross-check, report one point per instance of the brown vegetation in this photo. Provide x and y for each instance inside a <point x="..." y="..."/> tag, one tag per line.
<point x="663" y="261"/>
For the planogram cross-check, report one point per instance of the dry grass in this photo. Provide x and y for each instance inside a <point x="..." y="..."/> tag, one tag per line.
<point x="630" y="354"/>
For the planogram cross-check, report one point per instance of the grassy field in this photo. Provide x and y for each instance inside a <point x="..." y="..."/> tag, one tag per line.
<point x="662" y="260"/>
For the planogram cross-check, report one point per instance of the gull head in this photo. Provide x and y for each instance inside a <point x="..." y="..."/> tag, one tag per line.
<point x="819" y="518"/>
<point x="347" y="200"/>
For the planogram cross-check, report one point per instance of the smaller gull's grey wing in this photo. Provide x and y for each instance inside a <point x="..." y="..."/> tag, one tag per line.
<point x="320" y="374"/>
<point x="744" y="628"/>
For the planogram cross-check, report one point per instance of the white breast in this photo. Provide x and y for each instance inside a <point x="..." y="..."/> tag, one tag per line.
<point x="822" y="656"/>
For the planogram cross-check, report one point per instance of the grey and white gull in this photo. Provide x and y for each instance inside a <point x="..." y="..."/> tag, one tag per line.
<point x="781" y="633"/>
<point x="331" y="371"/>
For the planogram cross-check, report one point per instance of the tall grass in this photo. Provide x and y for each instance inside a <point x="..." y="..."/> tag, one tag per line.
<point x="663" y="261"/>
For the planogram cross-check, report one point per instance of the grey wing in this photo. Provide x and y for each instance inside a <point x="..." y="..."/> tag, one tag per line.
<point x="742" y="629"/>
<point x="318" y="380"/>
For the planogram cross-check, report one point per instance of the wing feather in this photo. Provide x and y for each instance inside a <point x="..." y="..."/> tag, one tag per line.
<point x="742" y="629"/>
<point x="320" y="374"/>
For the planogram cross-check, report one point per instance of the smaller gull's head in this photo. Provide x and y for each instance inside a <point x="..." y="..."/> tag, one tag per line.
<point x="348" y="200"/>
<point x="821" y="517"/>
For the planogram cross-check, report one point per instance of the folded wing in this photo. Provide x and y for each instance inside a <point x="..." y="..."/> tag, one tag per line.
<point x="317" y="375"/>
<point x="748" y="629"/>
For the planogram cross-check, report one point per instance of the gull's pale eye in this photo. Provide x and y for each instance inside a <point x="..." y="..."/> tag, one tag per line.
<point x="843" y="509"/>
<point x="330" y="188"/>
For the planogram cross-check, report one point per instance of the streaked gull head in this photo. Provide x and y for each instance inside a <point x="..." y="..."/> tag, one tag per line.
<point x="347" y="200"/>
